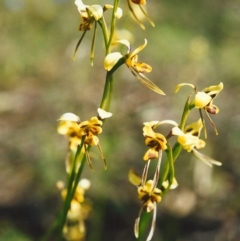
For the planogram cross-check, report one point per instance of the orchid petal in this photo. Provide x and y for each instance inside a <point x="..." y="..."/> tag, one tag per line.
<point x="139" y="49"/>
<point x="178" y="87"/>
<point x="69" y="117"/>
<point x="145" y="81"/>
<point x="177" y="132"/>
<point x="201" y="99"/>
<point x="80" y="5"/>
<point x="134" y="178"/>
<point x="208" y="160"/>
<point x="96" y="11"/>
<point x="213" y="90"/>
<point x="111" y="59"/>
<point x="124" y="42"/>
<point x="103" y="114"/>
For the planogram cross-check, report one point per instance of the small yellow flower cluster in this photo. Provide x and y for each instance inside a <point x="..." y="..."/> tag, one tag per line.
<point x="86" y="132"/>
<point x="188" y="138"/>
<point x="147" y="189"/>
<point x="74" y="228"/>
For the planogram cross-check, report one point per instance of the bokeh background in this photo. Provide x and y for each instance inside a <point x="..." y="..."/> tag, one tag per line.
<point x="193" y="41"/>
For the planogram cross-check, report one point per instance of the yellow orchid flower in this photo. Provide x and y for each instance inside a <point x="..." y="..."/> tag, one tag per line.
<point x="150" y="195"/>
<point x="69" y="126"/>
<point x="189" y="138"/>
<point x="204" y="100"/>
<point x="89" y="14"/>
<point x="155" y="141"/>
<point x="140" y="3"/>
<point x="131" y="60"/>
<point x="90" y="129"/>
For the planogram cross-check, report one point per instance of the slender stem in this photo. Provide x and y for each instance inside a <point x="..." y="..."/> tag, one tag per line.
<point x="93" y="44"/>
<point x="113" y="23"/>
<point x="164" y="173"/>
<point x="186" y="111"/>
<point x="107" y="93"/>
<point x="176" y="150"/>
<point x="110" y="93"/>
<point x="75" y="174"/>
<point x="168" y="168"/>
<point x="170" y="161"/>
<point x="104" y="28"/>
<point x="71" y="193"/>
<point x="70" y="189"/>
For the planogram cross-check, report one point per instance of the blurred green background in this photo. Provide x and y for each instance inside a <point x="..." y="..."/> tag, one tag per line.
<point x="193" y="41"/>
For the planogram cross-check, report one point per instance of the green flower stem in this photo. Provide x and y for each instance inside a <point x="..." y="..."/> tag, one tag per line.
<point x="69" y="197"/>
<point x="164" y="173"/>
<point x="113" y="23"/>
<point x="93" y="44"/>
<point x="186" y="111"/>
<point x="104" y="28"/>
<point x="74" y="178"/>
<point x="173" y="153"/>
<point x="107" y="94"/>
<point x="176" y="150"/>
<point x="72" y="184"/>
<point x="170" y="161"/>
<point x="110" y="93"/>
<point x="168" y="168"/>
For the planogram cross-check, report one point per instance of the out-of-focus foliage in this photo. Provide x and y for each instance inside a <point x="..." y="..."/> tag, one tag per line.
<point x="195" y="41"/>
<point x="10" y="233"/>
